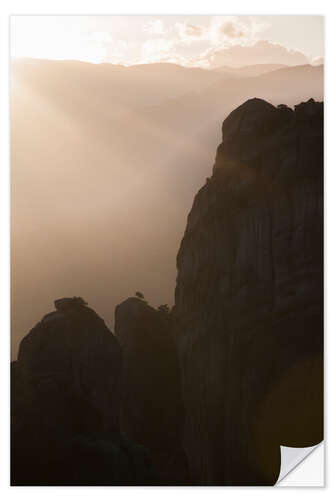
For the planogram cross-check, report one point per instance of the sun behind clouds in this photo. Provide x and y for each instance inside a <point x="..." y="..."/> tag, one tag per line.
<point x="204" y="41"/>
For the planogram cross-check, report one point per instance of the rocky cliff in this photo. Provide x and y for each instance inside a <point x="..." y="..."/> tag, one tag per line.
<point x="152" y="406"/>
<point x="249" y="306"/>
<point x="65" y="402"/>
<point x="232" y="373"/>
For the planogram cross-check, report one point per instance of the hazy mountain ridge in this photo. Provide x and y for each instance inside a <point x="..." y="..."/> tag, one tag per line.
<point x="251" y="70"/>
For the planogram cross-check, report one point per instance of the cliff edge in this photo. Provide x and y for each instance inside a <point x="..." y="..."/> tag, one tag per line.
<point x="249" y="297"/>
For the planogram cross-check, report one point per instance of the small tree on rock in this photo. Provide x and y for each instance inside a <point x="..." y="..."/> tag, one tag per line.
<point x="164" y="308"/>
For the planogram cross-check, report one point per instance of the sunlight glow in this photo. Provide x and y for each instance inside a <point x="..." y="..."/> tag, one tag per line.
<point x="184" y="40"/>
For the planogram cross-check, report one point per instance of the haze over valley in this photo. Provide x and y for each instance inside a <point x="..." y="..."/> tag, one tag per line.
<point x="105" y="162"/>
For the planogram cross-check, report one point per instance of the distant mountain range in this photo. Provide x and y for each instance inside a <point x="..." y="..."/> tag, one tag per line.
<point x="251" y="70"/>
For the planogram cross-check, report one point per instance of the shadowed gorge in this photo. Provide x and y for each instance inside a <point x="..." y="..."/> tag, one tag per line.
<point x="206" y="393"/>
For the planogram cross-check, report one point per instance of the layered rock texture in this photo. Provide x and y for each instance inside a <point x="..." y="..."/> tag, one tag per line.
<point x="152" y="407"/>
<point x="249" y="297"/>
<point x="65" y="405"/>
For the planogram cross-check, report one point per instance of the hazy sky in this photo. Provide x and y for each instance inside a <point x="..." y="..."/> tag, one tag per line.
<point x="206" y="41"/>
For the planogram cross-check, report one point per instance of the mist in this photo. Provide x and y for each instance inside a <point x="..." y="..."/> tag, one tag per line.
<point x="105" y="161"/>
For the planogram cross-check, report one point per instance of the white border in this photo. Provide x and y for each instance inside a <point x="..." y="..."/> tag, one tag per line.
<point x="101" y="7"/>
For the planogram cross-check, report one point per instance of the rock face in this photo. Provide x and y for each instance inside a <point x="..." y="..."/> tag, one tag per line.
<point x="152" y="407"/>
<point x="65" y="405"/>
<point x="249" y="297"/>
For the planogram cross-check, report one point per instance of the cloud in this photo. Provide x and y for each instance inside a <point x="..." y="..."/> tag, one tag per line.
<point x="156" y="49"/>
<point x="219" y="41"/>
<point x="234" y="29"/>
<point x="260" y="52"/>
<point x="220" y="30"/>
<point x="317" y="61"/>
<point x="155" y="27"/>
<point x="188" y="33"/>
<point x="193" y="30"/>
<point x="230" y="54"/>
<point x="231" y="30"/>
<point x="100" y="37"/>
<point x="100" y="46"/>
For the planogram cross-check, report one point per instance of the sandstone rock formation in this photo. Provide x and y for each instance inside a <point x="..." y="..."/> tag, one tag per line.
<point x="249" y="297"/>
<point x="152" y="408"/>
<point x="65" y="405"/>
